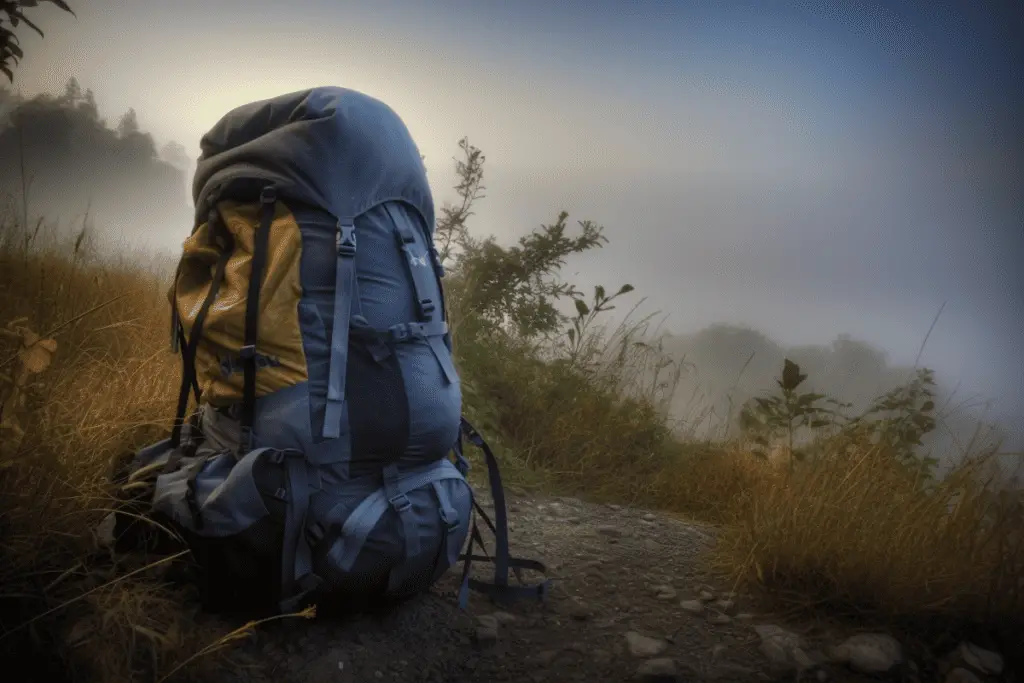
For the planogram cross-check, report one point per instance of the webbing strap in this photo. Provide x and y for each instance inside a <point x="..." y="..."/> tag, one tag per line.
<point x="435" y="259"/>
<point x="403" y="332"/>
<point x="374" y="342"/>
<point x="399" y="575"/>
<point x="420" y="270"/>
<point x="190" y="491"/>
<point x="498" y="495"/>
<point x="449" y="515"/>
<point x="461" y="463"/>
<point x="364" y="518"/>
<point x="423" y="268"/>
<point x="181" y="343"/>
<point x="401" y="504"/>
<point x="443" y="355"/>
<point x="188" y="351"/>
<point x="356" y="529"/>
<point x="344" y="296"/>
<point x="176" y="334"/>
<point x="440" y="287"/>
<point x="268" y="202"/>
<point x="497" y="592"/>
<point x="378" y="342"/>
<point x="500" y="588"/>
<point x="297" y="578"/>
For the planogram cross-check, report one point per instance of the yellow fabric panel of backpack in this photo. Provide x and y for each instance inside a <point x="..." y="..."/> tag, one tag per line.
<point x="279" y="352"/>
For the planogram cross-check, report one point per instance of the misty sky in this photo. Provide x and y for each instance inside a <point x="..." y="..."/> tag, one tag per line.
<point x="802" y="167"/>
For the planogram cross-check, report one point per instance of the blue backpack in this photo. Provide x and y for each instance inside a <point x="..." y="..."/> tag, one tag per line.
<point x="309" y="314"/>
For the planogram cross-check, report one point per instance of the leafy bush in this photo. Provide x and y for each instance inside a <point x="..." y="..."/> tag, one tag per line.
<point x="895" y="422"/>
<point x="764" y="418"/>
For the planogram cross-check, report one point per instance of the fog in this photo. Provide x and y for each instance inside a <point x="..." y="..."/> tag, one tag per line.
<point x="796" y="172"/>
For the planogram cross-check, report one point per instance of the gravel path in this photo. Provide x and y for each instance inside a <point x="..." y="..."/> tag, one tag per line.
<point x="628" y="603"/>
<point x="620" y="576"/>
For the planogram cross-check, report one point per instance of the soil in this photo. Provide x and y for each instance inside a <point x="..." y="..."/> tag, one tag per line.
<point x="615" y="570"/>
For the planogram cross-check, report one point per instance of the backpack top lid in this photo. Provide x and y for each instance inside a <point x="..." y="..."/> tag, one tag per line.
<point x="329" y="147"/>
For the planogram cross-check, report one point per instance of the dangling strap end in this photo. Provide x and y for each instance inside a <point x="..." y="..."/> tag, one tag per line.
<point x="332" y="419"/>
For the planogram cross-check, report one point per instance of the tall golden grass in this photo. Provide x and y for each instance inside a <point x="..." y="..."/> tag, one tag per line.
<point x="854" y="531"/>
<point x="850" y="530"/>
<point x="108" y="390"/>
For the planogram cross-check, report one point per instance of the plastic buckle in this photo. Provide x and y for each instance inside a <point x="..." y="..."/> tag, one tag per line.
<point x="346" y="240"/>
<point x="400" y="332"/>
<point x="407" y="236"/>
<point x="427" y="306"/>
<point x="248" y="351"/>
<point x="268" y="195"/>
<point x="400" y="503"/>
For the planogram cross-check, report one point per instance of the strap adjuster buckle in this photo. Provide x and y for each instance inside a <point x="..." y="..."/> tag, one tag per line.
<point x="346" y="240"/>
<point x="400" y="503"/>
<point x="400" y="332"/>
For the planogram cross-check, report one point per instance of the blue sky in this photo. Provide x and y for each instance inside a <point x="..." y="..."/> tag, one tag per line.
<point x="809" y="168"/>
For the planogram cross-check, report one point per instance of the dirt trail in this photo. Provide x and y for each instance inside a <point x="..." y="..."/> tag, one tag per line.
<point x="616" y="570"/>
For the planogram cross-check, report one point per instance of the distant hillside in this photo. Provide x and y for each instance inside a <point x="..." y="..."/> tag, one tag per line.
<point x="724" y="362"/>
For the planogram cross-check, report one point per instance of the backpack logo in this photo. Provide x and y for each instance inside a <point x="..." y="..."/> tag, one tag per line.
<point x="233" y="363"/>
<point x="418" y="260"/>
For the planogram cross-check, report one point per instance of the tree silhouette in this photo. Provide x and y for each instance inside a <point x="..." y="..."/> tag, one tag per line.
<point x="129" y="124"/>
<point x="12" y="16"/>
<point x="73" y="162"/>
<point x="72" y="91"/>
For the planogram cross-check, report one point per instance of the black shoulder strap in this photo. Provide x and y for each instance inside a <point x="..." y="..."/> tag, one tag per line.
<point x="268" y="203"/>
<point x="188" y="348"/>
<point x="178" y="341"/>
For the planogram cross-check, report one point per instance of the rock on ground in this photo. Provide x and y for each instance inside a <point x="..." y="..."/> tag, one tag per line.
<point x="644" y="646"/>
<point x="981" y="660"/>
<point x="870" y="653"/>
<point x="778" y="644"/>
<point x="662" y="670"/>
<point x="959" y="675"/>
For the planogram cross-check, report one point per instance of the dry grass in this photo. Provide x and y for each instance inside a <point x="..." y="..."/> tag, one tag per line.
<point x="109" y="390"/>
<point x="850" y="531"/>
<point x="856" y="532"/>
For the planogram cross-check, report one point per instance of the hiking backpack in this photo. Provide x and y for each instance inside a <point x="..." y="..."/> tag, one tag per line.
<point x="309" y="314"/>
